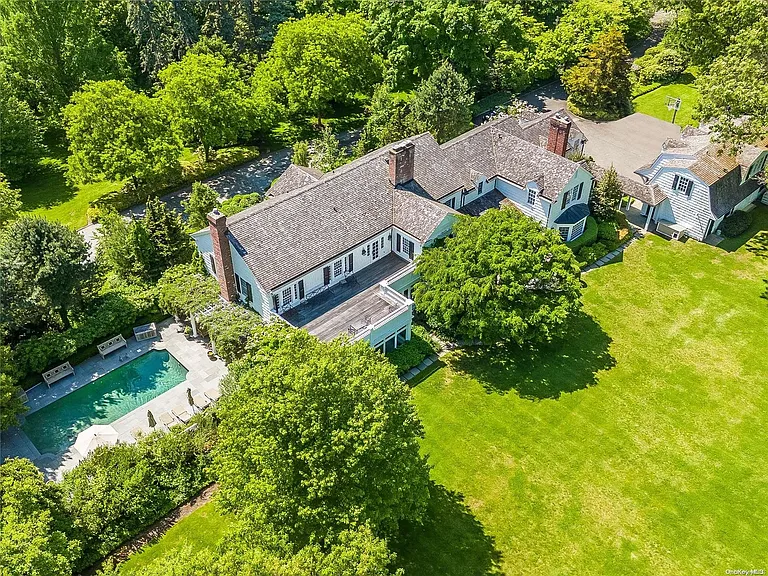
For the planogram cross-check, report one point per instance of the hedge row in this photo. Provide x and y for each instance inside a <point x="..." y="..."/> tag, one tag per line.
<point x="115" y="313"/>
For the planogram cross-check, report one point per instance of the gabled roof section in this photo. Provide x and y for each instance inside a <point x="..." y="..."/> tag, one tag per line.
<point x="417" y="215"/>
<point x="536" y="130"/>
<point x="493" y="151"/>
<point x="650" y="194"/>
<point x="293" y="178"/>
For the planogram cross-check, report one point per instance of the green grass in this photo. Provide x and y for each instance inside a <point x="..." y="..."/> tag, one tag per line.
<point x="637" y="446"/>
<point x="757" y="233"/>
<point x="48" y="194"/>
<point x="654" y="102"/>
<point x="201" y="529"/>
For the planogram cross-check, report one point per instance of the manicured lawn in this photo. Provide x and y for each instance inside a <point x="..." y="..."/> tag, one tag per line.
<point x="654" y="103"/>
<point x="48" y="194"/>
<point x="638" y="446"/>
<point x="201" y="529"/>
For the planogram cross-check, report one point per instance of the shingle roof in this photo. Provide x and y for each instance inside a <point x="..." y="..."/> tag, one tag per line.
<point x="491" y="150"/>
<point x="492" y="199"/>
<point x="294" y="177"/>
<point x="312" y="218"/>
<point x="536" y="131"/>
<point x="712" y="164"/>
<point x="285" y="236"/>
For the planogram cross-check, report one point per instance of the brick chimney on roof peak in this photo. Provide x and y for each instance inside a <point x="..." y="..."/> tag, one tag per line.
<point x="222" y="255"/>
<point x="559" y="130"/>
<point x="401" y="162"/>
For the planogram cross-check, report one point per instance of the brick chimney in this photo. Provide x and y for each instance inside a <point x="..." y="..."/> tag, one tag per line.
<point x="222" y="255"/>
<point x="401" y="162"/>
<point x="559" y="129"/>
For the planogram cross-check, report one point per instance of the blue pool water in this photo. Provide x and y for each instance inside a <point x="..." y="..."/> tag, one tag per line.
<point x="55" y="427"/>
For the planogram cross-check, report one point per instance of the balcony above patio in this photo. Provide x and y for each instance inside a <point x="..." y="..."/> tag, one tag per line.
<point x="356" y="306"/>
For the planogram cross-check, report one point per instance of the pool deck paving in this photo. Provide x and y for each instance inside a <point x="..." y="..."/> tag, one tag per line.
<point x="202" y="374"/>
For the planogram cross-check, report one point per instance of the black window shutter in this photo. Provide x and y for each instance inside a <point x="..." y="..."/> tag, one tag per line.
<point x="675" y="181"/>
<point x="398" y="241"/>
<point x="581" y="187"/>
<point x="565" y="200"/>
<point x="690" y="187"/>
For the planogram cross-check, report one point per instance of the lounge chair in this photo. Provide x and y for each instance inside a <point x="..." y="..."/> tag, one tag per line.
<point x="213" y="394"/>
<point x="201" y="401"/>
<point x="167" y="420"/>
<point x="182" y="414"/>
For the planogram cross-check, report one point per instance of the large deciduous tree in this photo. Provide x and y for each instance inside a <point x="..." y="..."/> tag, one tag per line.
<point x="442" y="104"/>
<point x="36" y="537"/>
<point x="52" y="48"/>
<point x="499" y="277"/>
<point x="44" y="269"/>
<point x="321" y="60"/>
<point x="599" y="84"/>
<point x="209" y="99"/>
<point x="115" y="133"/>
<point x="734" y="88"/>
<point x="388" y="120"/>
<point x="321" y="438"/>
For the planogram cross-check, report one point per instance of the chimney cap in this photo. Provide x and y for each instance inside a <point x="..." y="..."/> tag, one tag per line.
<point x="400" y="146"/>
<point x="562" y="118"/>
<point x="215" y="217"/>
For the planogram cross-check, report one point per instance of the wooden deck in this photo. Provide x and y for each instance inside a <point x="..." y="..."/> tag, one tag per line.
<point x="332" y="312"/>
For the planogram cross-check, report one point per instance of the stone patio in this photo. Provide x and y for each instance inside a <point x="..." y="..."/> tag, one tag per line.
<point x="203" y="374"/>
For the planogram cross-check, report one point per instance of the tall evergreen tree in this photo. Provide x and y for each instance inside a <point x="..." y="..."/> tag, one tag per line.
<point x="168" y="234"/>
<point x="201" y="201"/>
<point x="442" y="104"/>
<point x="605" y="198"/>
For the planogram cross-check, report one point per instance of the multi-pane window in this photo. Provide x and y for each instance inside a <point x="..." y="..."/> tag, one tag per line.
<point x="337" y="268"/>
<point x="578" y="229"/>
<point x="563" y="233"/>
<point x="287" y="296"/>
<point x="375" y="247"/>
<point x="531" y="196"/>
<point x="408" y="247"/>
<point x="682" y="184"/>
<point x="213" y="264"/>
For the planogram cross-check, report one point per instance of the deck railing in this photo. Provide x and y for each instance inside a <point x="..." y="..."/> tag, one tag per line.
<point x="393" y="297"/>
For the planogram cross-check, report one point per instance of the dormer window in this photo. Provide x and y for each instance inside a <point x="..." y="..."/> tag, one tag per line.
<point x="531" y="196"/>
<point x="682" y="184"/>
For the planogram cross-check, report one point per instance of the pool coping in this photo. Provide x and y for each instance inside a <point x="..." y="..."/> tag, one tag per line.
<point x="202" y="374"/>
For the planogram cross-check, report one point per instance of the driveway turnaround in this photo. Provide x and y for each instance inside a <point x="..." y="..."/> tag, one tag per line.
<point x="627" y="143"/>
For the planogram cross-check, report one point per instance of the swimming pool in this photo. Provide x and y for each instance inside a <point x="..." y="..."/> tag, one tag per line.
<point x="56" y="426"/>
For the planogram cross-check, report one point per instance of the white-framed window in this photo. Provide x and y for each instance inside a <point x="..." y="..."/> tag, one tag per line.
<point x="531" y="196"/>
<point x="452" y="202"/>
<point x="287" y="296"/>
<point x="337" y="268"/>
<point x="563" y="230"/>
<point x="375" y="247"/>
<point x="212" y="261"/>
<point x="682" y="184"/>
<point x="578" y="229"/>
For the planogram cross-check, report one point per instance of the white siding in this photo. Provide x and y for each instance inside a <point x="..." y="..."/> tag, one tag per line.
<point x="205" y="247"/>
<point x="694" y="212"/>
<point x="582" y="177"/>
<point x="538" y="210"/>
<point x="314" y="279"/>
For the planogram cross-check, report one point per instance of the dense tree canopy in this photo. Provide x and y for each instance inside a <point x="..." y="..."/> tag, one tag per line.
<point x="210" y="101"/>
<point x="500" y="277"/>
<point x="734" y="88"/>
<point x="125" y="247"/>
<point x="35" y="536"/>
<point x="599" y="84"/>
<point x="52" y="48"/>
<point x="115" y="133"/>
<point x="320" y="60"/>
<point x="168" y="235"/>
<point x="44" y="269"/>
<point x="442" y="104"/>
<point x="11" y="404"/>
<point x="20" y="136"/>
<point x="388" y="121"/>
<point x="321" y="438"/>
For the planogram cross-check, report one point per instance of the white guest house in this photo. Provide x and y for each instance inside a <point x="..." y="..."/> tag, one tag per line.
<point x="697" y="183"/>
<point x="334" y="253"/>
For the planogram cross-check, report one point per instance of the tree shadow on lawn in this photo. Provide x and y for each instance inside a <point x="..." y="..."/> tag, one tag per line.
<point x="755" y="237"/>
<point x="450" y="542"/>
<point x="564" y="366"/>
<point x="46" y="188"/>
